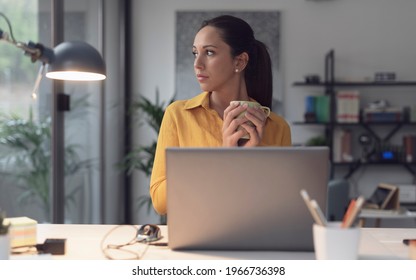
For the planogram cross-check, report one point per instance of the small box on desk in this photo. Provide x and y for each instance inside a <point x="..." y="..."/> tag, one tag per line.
<point x="22" y="231"/>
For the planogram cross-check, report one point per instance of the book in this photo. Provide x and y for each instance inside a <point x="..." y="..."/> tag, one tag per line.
<point x="342" y="147"/>
<point x="346" y="146"/>
<point x="317" y="108"/>
<point x="336" y="152"/>
<point x="322" y="108"/>
<point x="412" y="113"/>
<point x="310" y="104"/>
<point x="310" y="109"/>
<point x="409" y="142"/>
<point x="391" y="114"/>
<point x="348" y="106"/>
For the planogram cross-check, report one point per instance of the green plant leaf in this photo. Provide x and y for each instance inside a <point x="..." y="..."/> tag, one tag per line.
<point x="26" y="157"/>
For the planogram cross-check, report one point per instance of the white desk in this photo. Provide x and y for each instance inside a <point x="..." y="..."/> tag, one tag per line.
<point x="379" y="215"/>
<point x="83" y="242"/>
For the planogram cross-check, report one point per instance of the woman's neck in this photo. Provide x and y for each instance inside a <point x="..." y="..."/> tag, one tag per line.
<point x="220" y="100"/>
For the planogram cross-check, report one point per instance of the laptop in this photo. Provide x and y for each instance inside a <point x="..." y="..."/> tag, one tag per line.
<point x="244" y="198"/>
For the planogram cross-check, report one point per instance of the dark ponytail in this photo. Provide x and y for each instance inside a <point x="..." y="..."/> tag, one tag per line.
<point x="258" y="75"/>
<point x="239" y="35"/>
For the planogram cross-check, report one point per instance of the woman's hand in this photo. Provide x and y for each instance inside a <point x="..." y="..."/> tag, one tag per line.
<point x="252" y="122"/>
<point x="258" y="118"/>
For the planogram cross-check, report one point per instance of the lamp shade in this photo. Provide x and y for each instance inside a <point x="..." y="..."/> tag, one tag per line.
<point x="76" y="61"/>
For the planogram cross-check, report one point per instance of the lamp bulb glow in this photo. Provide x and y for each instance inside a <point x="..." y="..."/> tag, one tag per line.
<point x="75" y="76"/>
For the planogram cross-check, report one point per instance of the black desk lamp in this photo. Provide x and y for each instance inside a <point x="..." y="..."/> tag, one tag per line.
<point x="73" y="61"/>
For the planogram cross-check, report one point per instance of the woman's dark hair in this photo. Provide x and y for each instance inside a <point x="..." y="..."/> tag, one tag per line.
<point x="239" y="35"/>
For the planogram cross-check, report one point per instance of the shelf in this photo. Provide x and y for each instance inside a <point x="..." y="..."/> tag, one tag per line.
<point x="329" y="86"/>
<point x="355" y="124"/>
<point x="409" y="206"/>
<point x="310" y="123"/>
<point x="357" y="84"/>
<point x="374" y="163"/>
<point x="355" y="165"/>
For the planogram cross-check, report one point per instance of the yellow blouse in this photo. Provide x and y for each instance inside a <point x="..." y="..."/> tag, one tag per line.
<point x="192" y="123"/>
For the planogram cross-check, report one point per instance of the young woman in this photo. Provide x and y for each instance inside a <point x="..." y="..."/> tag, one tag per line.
<point x="230" y="64"/>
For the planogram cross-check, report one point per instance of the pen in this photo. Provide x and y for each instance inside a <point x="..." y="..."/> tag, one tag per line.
<point x="357" y="208"/>
<point x="319" y="212"/>
<point x="314" y="214"/>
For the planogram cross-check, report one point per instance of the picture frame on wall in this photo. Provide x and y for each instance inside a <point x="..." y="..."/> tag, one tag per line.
<point x="266" y="27"/>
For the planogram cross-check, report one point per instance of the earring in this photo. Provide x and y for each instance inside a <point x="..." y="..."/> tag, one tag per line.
<point x="236" y="70"/>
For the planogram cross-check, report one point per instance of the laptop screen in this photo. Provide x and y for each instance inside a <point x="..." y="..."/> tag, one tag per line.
<point x="243" y="198"/>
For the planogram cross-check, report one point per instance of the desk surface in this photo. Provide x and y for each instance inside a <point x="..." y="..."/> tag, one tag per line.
<point x="387" y="214"/>
<point x="84" y="242"/>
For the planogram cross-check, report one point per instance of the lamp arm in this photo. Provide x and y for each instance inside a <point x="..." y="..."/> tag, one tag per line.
<point x="36" y="51"/>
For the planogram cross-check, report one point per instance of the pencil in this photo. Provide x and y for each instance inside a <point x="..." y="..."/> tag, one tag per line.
<point x="314" y="214"/>
<point x="348" y="213"/>
<point x="318" y="211"/>
<point x="357" y="208"/>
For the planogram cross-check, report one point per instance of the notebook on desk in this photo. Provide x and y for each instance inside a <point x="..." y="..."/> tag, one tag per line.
<point x="243" y="198"/>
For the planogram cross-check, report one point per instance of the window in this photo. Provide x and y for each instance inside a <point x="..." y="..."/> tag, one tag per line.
<point x="25" y="122"/>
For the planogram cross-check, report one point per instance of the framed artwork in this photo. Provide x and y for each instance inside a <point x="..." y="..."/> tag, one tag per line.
<point x="266" y="26"/>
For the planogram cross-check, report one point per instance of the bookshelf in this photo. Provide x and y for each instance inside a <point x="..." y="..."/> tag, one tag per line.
<point x="333" y="124"/>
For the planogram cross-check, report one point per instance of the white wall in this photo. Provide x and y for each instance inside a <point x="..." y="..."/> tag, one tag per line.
<point x="367" y="35"/>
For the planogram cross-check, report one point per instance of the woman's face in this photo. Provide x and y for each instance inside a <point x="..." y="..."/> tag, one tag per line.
<point x="214" y="66"/>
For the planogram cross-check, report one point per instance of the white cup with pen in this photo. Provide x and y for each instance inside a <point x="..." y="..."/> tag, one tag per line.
<point x="335" y="240"/>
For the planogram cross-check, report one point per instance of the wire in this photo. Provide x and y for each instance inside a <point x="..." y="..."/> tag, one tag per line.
<point x="37" y="82"/>
<point x="10" y="27"/>
<point x="121" y="247"/>
<point x="24" y="250"/>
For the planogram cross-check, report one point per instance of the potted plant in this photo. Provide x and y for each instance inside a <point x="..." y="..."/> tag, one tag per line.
<point x="141" y="158"/>
<point x="4" y="238"/>
<point x="316" y="141"/>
